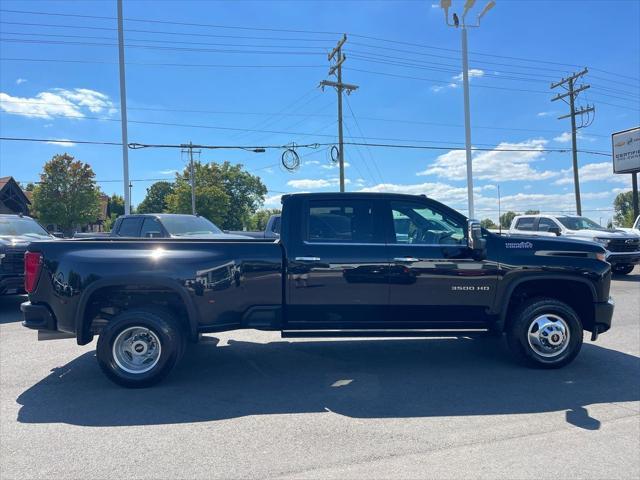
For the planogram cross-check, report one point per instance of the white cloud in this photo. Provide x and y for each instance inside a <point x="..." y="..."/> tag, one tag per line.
<point x="334" y="165"/>
<point x="62" y="141"/>
<point x="20" y="81"/>
<point x="273" y="201"/>
<point x="168" y="172"/>
<point x="58" y="102"/>
<point x="554" y="202"/>
<point x="314" y="184"/>
<point x="473" y="73"/>
<point x="487" y="203"/>
<point x="437" y="190"/>
<point x="457" y="79"/>
<point x="494" y="165"/>
<point x="564" y="137"/>
<point x="545" y="114"/>
<point x="593" y="172"/>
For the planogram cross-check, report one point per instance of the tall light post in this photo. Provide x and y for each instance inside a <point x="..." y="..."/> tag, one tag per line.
<point x="468" y="4"/>
<point x="123" y="113"/>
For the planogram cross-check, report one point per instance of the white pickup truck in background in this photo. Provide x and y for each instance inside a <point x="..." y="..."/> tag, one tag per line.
<point x="623" y="246"/>
<point x="634" y="229"/>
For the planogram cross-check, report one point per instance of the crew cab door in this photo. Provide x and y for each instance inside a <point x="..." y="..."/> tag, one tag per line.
<point x="337" y="269"/>
<point x="434" y="280"/>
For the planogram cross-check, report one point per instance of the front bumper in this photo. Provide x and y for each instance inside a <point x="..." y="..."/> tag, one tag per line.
<point x="626" y="258"/>
<point x="11" y="284"/>
<point x="603" y="313"/>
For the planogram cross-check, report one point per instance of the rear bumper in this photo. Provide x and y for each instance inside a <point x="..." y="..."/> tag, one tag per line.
<point x="603" y="313"/>
<point x="11" y="284"/>
<point x="626" y="258"/>
<point x="37" y="317"/>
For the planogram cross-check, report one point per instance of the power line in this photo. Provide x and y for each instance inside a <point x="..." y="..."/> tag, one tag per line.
<point x="156" y="47"/>
<point x="165" y="32"/>
<point x="147" y="64"/>
<point x="129" y="39"/>
<point x="294" y="114"/>
<point x="308" y="145"/>
<point x="369" y="37"/>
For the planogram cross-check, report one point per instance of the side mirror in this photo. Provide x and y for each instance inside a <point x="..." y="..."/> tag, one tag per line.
<point x="58" y="234"/>
<point x="477" y="243"/>
<point x="554" y="229"/>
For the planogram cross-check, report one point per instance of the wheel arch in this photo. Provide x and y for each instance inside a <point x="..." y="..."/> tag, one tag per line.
<point x="578" y="293"/>
<point x="83" y="324"/>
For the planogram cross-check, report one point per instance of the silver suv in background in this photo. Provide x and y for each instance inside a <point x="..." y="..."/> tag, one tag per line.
<point x="623" y="248"/>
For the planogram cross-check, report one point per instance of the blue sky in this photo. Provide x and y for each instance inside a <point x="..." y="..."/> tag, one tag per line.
<point x="190" y="64"/>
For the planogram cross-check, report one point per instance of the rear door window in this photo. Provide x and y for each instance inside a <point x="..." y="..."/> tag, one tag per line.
<point x="545" y="224"/>
<point x="343" y="221"/>
<point x="130" y="227"/>
<point x="151" y="228"/>
<point x="525" y="223"/>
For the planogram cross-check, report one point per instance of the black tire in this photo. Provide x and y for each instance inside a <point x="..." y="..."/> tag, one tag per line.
<point x="523" y="320"/>
<point x="163" y="327"/>
<point x="622" y="269"/>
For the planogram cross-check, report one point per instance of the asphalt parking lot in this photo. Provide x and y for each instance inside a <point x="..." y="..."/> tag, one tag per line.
<point x="249" y="404"/>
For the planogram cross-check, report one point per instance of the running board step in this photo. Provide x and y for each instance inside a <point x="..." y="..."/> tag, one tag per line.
<point x="383" y="333"/>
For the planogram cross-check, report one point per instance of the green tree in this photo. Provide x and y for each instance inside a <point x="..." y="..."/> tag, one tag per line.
<point x="532" y="212"/>
<point x="488" y="223"/>
<point x="225" y="194"/>
<point x="258" y="221"/>
<point x="156" y="199"/>
<point x="116" y="205"/>
<point x="506" y="218"/>
<point x="623" y="205"/>
<point x="212" y="201"/>
<point x="246" y="193"/>
<point x="67" y="194"/>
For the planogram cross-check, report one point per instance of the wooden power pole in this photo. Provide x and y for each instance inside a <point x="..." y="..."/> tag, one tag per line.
<point x="571" y="93"/>
<point x="336" y="69"/>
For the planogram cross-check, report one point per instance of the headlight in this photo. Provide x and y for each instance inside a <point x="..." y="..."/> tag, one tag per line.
<point x="602" y="241"/>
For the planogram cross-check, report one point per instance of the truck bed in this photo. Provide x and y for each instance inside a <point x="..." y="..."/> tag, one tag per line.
<point x="223" y="283"/>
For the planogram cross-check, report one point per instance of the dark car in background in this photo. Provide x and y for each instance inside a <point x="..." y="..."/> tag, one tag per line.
<point x="168" y="225"/>
<point x="16" y="233"/>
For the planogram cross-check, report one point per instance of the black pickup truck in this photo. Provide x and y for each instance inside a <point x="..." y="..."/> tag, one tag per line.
<point x="346" y="265"/>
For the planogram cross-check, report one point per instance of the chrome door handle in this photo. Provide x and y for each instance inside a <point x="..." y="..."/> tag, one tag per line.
<point x="307" y="259"/>
<point x="406" y="259"/>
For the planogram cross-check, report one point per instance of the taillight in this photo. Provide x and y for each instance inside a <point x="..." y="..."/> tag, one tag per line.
<point x="32" y="265"/>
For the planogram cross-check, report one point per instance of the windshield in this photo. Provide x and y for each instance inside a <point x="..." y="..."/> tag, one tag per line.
<point x="21" y="226"/>
<point x="187" y="225"/>
<point x="579" y="223"/>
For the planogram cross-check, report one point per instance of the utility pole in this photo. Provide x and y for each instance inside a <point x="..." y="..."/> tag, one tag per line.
<point x="339" y="86"/>
<point x="468" y="5"/>
<point x="192" y="174"/>
<point x="123" y="113"/>
<point x="572" y="91"/>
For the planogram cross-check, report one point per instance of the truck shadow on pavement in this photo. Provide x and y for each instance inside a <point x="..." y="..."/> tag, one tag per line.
<point x="360" y="379"/>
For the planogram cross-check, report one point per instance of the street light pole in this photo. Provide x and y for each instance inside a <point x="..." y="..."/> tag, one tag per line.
<point x="445" y="5"/>
<point x="467" y="121"/>
<point x="123" y="113"/>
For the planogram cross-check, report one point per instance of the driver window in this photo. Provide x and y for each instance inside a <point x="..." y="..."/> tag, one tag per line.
<point x="418" y="224"/>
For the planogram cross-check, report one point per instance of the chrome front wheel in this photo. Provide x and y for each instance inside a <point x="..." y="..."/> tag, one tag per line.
<point x="548" y="335"/>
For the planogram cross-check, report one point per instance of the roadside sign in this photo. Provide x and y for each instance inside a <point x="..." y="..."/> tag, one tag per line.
<point x="626" y="151"/>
